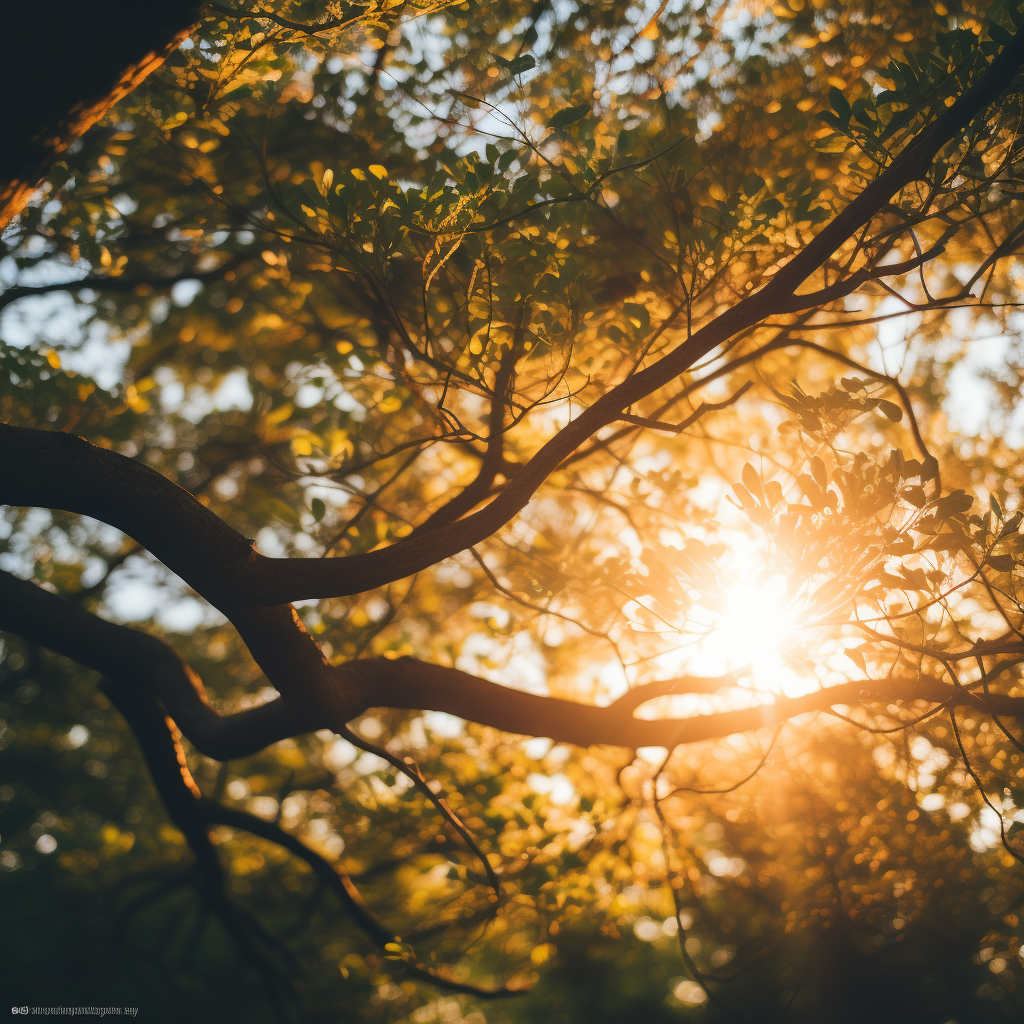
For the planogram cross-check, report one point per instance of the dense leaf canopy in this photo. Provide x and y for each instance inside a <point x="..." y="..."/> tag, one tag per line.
<point x="622" y="401"/>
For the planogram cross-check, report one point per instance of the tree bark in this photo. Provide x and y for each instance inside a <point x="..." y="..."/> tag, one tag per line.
<point x="320" y="695"/>
<point x="65" y="64"/>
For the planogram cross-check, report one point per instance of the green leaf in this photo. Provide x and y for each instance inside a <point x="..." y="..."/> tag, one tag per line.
<point x="745" y="497"/>
<point x="521" y="64"/>
<point x="769" y="208"/>
<point x="751" y="480"/>
<point x="318" y="509"/>
<point x="470" y="101"/>
<point x="832" y="121"/>
<point x="993" y="503"/>
<point x="569" y="116"/>
<point x="915" y="495"/>
<point x="839" y="105"/>
<point x="1012" y="525"/>
<point x="951" y="504"/>
<point x="285" y="513"/>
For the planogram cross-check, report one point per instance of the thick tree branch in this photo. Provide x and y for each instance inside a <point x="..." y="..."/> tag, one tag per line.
<point x="408" y="683"/>
<point x="326" y="698"/>
<point x="118" y="651"/>
<point x="102" y="50"/>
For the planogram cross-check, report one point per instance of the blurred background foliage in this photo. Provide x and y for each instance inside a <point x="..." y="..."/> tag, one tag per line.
<point x="291" y="272"/>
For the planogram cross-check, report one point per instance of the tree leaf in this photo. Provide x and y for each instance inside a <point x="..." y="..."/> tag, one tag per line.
<point x="569" y="116"/>
<point x="819" y="472"/>
<point x="1001" y="563"/>
<point x="524" y="63"/>
<point x="839" y="105"/>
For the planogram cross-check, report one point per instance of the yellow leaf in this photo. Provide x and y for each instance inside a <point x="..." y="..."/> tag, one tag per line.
<point x="717" y="192"/>
<point x="53" y="359"/>
<point x="539" y="954"/>
<point x="280" y="414"/>
<point x="341" y="444"/>
<point x="378" y="171"/>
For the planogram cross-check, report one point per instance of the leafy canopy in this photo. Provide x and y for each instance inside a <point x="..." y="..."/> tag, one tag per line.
<point x="341" y="272"/>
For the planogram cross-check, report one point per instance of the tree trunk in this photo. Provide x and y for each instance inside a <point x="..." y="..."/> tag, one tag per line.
<point x="64" y="64"/>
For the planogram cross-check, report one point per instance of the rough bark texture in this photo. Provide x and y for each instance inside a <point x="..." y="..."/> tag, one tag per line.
<point x="64" y="64"/>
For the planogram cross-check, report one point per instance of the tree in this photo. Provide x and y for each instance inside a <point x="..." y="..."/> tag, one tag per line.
<point x="469" y="316"/>
<point x="98" y="56"/>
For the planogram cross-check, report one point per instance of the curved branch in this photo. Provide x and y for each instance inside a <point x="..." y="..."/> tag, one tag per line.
<point x="330" y="696"/>
<point x="408" y="683"/>
<point x="342" y="886"/>
<point x="61" y="625"/>
<point x="194" y="815"/>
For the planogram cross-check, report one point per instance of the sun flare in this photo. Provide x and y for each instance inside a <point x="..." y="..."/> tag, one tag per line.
<point x="757" y="623"/>
<point x="754" y="628"/>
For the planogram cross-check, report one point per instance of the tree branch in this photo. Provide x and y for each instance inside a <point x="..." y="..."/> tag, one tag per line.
<point x="698" y="413"/>
<point x="120" y="284"/>
<point x="62" y="626"/>
<point x="417" y="685"/>
<point x="97" y="53"/>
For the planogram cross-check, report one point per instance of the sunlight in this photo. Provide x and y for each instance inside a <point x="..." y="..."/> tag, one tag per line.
<point x="753" y="627"/>
<point x="756" y="624"/>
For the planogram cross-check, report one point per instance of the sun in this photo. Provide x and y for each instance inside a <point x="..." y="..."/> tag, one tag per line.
<point x="757" y="623"/>
<point x="754" y="627"/>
